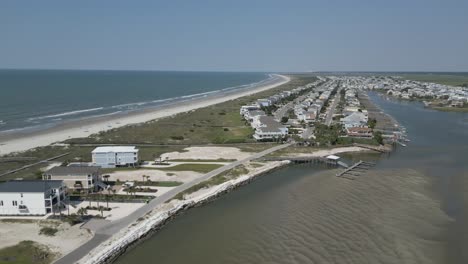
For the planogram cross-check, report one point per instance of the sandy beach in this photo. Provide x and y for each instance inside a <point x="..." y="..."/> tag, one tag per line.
<point x="15" y="143"/>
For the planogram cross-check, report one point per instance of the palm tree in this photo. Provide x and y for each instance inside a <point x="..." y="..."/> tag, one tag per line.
<point x="106" y="178"/>
<point x="82" y="211"/>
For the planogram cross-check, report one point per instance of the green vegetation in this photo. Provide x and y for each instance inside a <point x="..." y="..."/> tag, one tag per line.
<point x="455" y="79"/>
<point x="202" y="168"/>
<point x="159" y="183"/>
<point x="217" y="124"/>
<point x="216" y="180"/>
<point x="327" y="135"/>
<point x="48" y="231"/>
<point x="202" y="160"/>
<point x="371" y="123"/>
<point x="378" y="137"/>
<point x="452" y="109"/>
<point x="200" y="126"/>
<point x="26" y="252"/>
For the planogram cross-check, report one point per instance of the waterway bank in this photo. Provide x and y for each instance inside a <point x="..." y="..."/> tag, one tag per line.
<point x="408" y="209"/>
<point x="154" y="221"/>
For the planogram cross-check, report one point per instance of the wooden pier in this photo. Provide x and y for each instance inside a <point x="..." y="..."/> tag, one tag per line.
<point x="311" y="160"/>
<point x="356" y="169"/>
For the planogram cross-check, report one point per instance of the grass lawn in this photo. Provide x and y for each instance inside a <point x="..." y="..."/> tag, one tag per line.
<point x="159" y="183"/>
<point x="452" y="109"/>
<point x="217" y="124"/>
<point x="441" y="78"/>
<point x="202" y="168"/>
<point x="202" y="160"/>
<point x="26" y="252"/>
<point x="216" y="180"/>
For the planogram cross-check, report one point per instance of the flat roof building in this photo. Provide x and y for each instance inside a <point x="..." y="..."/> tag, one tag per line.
<point x="115" y="156"/>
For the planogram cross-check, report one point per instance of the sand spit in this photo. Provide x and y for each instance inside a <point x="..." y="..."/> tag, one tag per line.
<point x="84" y="129"/>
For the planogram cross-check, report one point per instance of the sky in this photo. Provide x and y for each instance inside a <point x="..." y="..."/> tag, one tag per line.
<point x="219" y="35"/>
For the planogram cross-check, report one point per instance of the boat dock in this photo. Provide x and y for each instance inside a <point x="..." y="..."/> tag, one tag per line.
<point x="355" y="169"/>
<point x="310" y="159"/>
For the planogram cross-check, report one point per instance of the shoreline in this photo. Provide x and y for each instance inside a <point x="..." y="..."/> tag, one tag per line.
<point x="109" y="251"/>
<point x="149" y="223"/>
<point x="13" y="143"/>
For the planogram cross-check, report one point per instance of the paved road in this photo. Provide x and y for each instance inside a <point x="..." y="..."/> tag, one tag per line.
<point x="105" y="229"/>
<point x="332" y="108"/>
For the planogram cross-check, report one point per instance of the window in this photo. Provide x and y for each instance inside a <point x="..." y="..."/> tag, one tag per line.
<point x="21" y="195"/>
<point x="1" y="203"/>
<point x="15" y="203"/>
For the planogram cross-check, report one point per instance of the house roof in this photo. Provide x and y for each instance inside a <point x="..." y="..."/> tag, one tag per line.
<point x="28" y="186"/>
<point x="354" y="117"/>
<point x="73" y="170"/>
<point x="115" y="149"/>
<point x="333" y="157"/>
<point x="359" y="129"/>
<point x="256" y="113"/>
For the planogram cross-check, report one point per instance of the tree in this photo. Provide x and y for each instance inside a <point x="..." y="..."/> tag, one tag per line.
<point x="378" y="137"/>
<point x="106" y="178"/>
<point x="284" y="119"/>
<point x="82" y="211"/>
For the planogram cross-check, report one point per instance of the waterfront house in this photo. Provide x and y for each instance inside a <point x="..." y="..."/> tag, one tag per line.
<point x="364" y="132"/>
<point x="356" y="119"/>
<point x="267" y="128"/>
<point x="80" y="178"/>
<point x="115" y="156"/>
<point x="26" y="198"/>
<point x="263" y="103"/>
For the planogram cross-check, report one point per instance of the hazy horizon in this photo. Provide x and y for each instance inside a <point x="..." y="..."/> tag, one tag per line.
<point x="241" y="36"/>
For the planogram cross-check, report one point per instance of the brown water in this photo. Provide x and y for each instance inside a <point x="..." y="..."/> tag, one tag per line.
<point x="410" y="209"/>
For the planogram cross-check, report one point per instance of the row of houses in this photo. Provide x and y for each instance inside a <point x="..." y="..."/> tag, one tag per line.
<point x="355" y="119"/>
<point x="267" y="127"/>
<point x="453" y="96"/>
<point x="49" y="195"/>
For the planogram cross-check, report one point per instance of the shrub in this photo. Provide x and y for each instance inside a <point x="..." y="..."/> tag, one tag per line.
<point x="48" y="231"/>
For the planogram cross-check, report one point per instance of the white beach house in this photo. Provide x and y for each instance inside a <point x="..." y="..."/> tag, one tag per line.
<point x="80" y="178"/>
<point x="31" y="197"/>
<point x="115" y="156"/>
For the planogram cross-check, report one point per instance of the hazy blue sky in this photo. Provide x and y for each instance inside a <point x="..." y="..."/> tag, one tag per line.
<point x="269" y="35"/>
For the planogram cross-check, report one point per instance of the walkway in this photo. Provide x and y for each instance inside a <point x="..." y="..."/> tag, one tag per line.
<point x="105" y="229"/>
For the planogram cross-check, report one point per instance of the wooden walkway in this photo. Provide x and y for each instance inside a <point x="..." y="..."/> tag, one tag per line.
<point x="355" y="169"/>
<point x="33" y="164"/>
<point x="311" y="159"/>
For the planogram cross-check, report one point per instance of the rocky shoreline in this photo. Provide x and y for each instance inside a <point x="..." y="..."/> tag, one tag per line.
<point x="146" y="228"/>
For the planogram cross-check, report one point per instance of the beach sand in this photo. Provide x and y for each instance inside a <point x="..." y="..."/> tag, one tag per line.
<point x="18" y="143"/>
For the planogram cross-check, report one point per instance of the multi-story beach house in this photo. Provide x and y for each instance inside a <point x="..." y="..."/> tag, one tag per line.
<point x="79" y="178"/>
<point x="267" y="128"/>
<point x="115" y="156"/>
<point x="31" y="197"/>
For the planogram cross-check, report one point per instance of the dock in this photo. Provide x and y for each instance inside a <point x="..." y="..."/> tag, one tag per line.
<point x="356" y="169"/>
<point x="308" y="159"/>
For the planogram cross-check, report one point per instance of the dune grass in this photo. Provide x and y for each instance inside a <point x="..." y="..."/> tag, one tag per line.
<point x="26" y="252"/>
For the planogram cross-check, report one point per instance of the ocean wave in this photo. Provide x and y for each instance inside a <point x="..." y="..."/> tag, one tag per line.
<point x="65" y="114"/>
<point x="129" y="105"/>
<point x="108" y="114"/>
<point x="19" y="129"/>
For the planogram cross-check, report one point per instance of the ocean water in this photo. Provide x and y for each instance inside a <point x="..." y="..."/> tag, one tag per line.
<point x="36" y="99"/>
